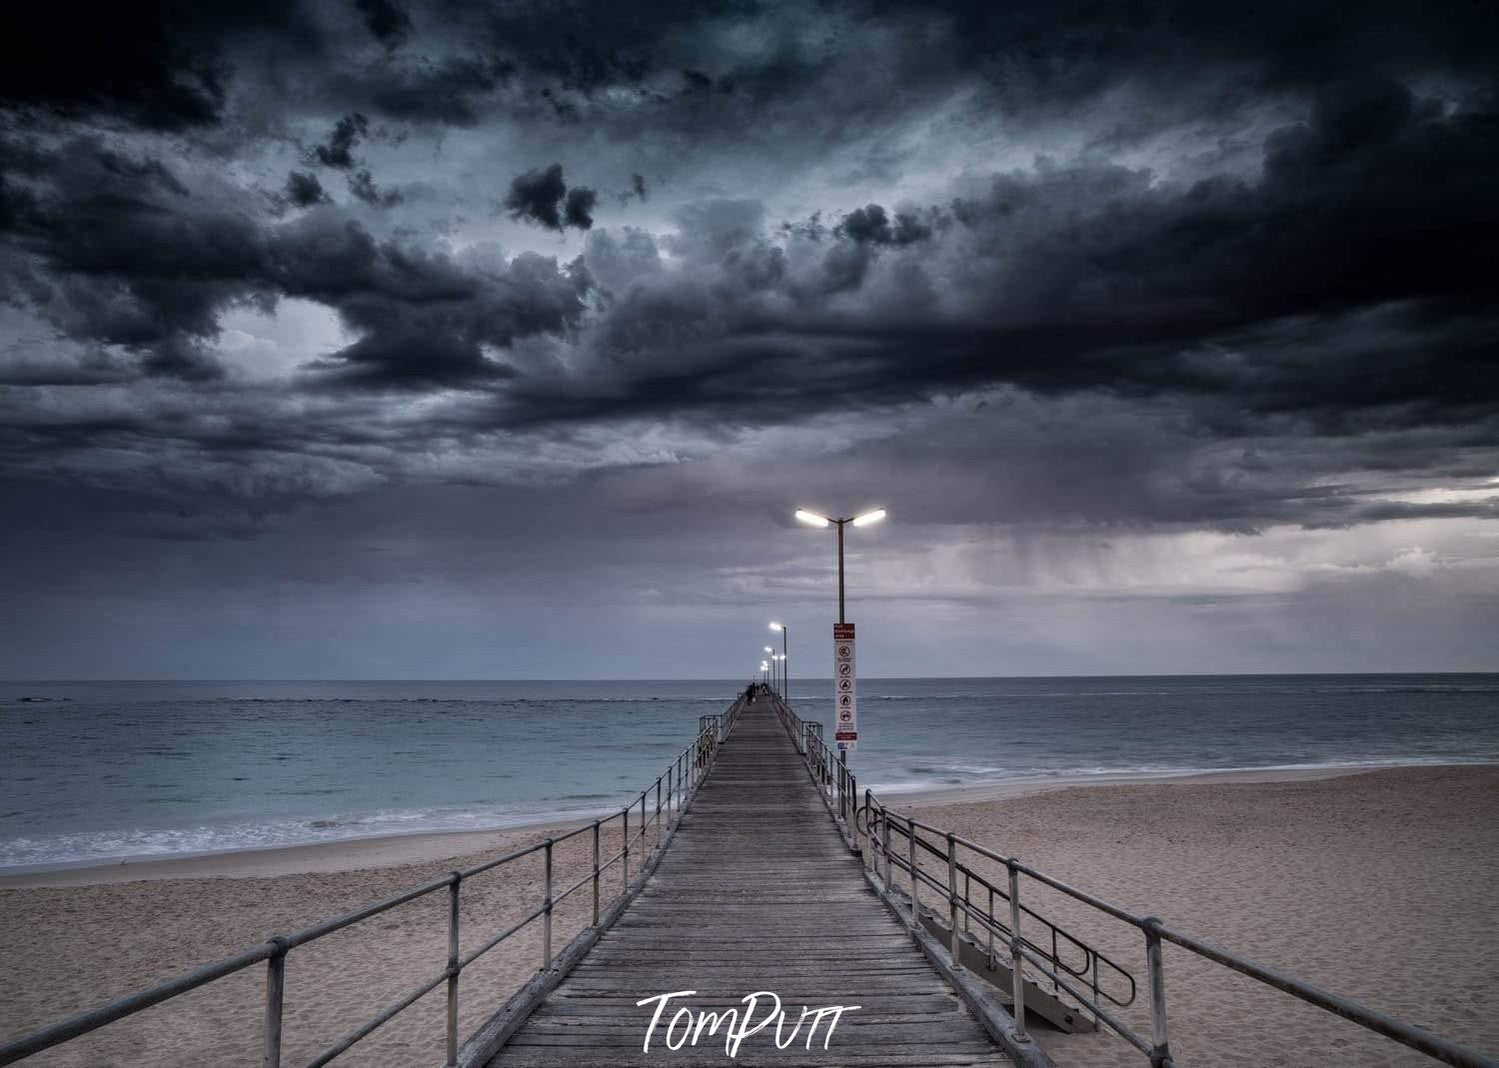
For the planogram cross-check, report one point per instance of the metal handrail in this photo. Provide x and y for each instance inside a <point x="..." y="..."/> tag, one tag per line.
<point x="1092" y="956"/>
<point x="681" y="779"/>
<point x="839" y="783"/>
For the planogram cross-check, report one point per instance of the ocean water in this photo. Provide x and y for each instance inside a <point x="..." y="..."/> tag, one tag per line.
<point x="92" y="771"/>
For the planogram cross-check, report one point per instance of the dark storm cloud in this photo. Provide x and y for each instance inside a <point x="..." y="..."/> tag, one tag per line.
<point x="1064" y="51"/>
<point x="388" y="21"/>
<point x="1327" y="283"/>
<point x="542" y="197"/>
<point x="116" y="250"/>
<point x="1349" y="283"/>
<point x="159" y="64"/>
<point x="450" y="91"/>
<point x="338" y="151"/>
<point x="304" y="190"/>
<point x="536" y="196"/>
<point x="577" y="209"/>
<point x="871" y="224"/>
<point x="707" y="66"/>
<point x="362" y="185"/>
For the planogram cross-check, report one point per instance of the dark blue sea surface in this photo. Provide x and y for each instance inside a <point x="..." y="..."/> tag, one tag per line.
<point x="90" y="771"/>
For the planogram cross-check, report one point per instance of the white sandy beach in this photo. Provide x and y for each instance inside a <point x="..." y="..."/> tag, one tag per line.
<point x="1378" y="884"/>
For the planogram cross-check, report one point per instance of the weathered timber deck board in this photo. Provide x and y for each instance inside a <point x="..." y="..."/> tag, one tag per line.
<point x="757" y="891"/>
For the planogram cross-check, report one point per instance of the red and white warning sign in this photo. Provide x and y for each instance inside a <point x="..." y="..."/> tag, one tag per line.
<point x="845" y="688"/>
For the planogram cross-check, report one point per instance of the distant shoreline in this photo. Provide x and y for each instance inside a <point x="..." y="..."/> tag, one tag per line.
<point x="388" y="850"/>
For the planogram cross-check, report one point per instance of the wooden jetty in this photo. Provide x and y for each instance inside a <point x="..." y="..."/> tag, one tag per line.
<point x="758" y="891"/>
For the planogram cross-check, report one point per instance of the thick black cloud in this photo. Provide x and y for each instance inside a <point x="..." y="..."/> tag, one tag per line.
<point x="542" y="197"/>
<point x="159" y="64"/>
<point x="577" y="209"/>
<point x="304" y="190"/>
<point x="115" y="250"/>
<point x="536" y="196"/>
<point x="872" y="225"/>
<point x="345" y="136"/>
<point x="451" y="91"/>
<point x="1349" y="283"/>
<point x="1062" y="51"/>
<point x="173" y="66"/>
<point x="387" y="20"/>
<point x="1326" y="281"/>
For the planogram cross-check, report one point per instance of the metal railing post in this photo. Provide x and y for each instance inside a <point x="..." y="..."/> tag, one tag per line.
<point x="658" y="812"/>
<point x="885" y="847"/>
<point x="915" y="882"/>
<point x="453" y="970"/>
<point x="952" y="902"/>
<point x="595" y="873"/>
<point x="1160" y="1055"/>
<point x="275" y="999"/>
<point x="546" y="924"/>
<point x="991" y="926"/>
<point x="1017" y="980"/>
<point x="853" y="808"/>
<point x="643" y="853"/>
<point x="625" y="838"/>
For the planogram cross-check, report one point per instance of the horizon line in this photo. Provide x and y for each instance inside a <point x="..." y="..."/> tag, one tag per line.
<point x="725" y="678"/>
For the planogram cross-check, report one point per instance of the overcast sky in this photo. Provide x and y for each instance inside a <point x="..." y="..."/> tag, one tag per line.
<point x="454" y="338"/>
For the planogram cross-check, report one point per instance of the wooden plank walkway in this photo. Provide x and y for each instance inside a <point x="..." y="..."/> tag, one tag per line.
<point x="757" y="892"/>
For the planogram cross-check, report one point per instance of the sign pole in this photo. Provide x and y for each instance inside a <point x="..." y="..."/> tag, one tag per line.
<point x="842" y="622"/>
<point x="840" y="523"/>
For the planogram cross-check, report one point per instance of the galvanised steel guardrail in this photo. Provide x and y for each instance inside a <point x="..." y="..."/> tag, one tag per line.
<point x="680" y="779"/>
<point x="1108" y="978"/>
<point x="873" y="821"/>
<point x="1105" y="976"/>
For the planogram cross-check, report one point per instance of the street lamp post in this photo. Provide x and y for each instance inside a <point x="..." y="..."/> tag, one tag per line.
<point x="770" y="655"/>
<point x="862" y="520"/>
<point x="785" y="670"/>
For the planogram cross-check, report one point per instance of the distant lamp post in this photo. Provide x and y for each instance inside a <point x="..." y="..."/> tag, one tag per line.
<point x="770" y="654"/>
<point x="765" y="668"/>
<point x="785" y="670"/>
